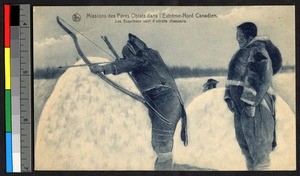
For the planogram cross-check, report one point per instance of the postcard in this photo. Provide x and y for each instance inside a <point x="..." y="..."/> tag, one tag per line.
<point x="181" y="88"/>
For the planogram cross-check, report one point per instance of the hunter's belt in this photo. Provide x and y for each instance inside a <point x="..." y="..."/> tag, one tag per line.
<point x="157" y="88"/>
<point x="241" y="83"/>
<point x="235" y="83"/>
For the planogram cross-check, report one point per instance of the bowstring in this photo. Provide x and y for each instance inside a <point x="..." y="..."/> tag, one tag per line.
<point x="87" y="38"/>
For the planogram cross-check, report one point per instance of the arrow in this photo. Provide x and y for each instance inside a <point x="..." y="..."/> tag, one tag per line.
<point x="80" y="65"/>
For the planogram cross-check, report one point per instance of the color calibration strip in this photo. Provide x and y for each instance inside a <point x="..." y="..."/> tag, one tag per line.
<point x="8" y="121"/>
<point x="15" y="85"/>
<point x="17" y="88"/>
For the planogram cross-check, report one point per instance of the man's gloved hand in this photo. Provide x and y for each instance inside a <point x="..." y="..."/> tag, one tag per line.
<point x="250" y="110"/>
<point x="230" y="104"/>
<point x="96" y="69"/>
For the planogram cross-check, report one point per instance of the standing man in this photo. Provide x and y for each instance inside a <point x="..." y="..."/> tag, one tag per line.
<point x="158" y="87"/>
<point x="247" y="95"/>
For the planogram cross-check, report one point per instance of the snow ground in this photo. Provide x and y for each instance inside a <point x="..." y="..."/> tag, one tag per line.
<point x="87" y="125"/>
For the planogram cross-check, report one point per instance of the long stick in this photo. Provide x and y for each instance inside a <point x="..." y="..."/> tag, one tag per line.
<point x="110" y="47"/>
<point x="80" y="65"/>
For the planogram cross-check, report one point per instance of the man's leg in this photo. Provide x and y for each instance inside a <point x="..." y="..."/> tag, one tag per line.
<point x="168" y="104"/>
<point x="259" y="134"/>
<point x="242" y="142"/>
<point x="162" y="144"/>
<point x="164" y="161"/>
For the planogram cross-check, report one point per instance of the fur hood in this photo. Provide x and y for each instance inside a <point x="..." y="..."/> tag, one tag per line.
<point x="273" y="51"/>
<point x="134" y="46"/>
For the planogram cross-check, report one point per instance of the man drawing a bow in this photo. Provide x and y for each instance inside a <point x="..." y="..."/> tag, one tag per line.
<point x="158" y="87"/>
<point x="248" y="96"/>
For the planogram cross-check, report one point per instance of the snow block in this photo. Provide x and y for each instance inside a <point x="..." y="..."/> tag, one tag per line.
<point x="88" y="125"/>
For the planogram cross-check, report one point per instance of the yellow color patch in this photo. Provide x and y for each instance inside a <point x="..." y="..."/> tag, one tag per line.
<point x="7" y="67"/>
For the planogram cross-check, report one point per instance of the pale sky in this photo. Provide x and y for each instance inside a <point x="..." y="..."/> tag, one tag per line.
<point x="199" y="42"/>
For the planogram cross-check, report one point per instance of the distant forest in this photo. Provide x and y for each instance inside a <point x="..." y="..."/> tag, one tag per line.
<point x="176" y="71"/>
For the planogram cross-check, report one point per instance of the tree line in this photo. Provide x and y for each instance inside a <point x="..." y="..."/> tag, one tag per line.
<point x="176" y="71"/>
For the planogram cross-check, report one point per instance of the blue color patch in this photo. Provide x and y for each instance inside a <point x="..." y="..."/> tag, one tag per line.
<point x="9" y="165"/>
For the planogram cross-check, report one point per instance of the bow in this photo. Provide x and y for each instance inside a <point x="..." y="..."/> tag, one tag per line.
<point x="103" y="77"/>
